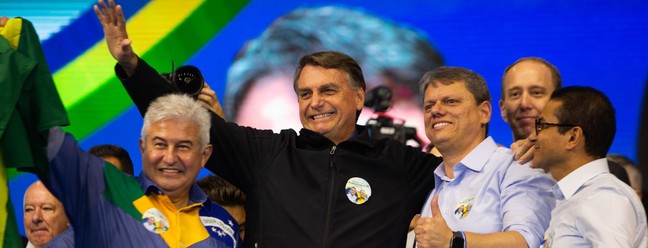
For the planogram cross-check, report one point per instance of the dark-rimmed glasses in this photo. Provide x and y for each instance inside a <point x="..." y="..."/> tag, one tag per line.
<point x="539" y="125"/>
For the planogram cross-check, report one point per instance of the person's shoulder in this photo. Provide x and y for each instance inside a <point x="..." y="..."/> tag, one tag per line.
<point x="63" y="240"/>
<point x="525" y="170"/>
<point x="606" y="194"/>
<point x="516" y="173"/>
<point x="607" y="185"/>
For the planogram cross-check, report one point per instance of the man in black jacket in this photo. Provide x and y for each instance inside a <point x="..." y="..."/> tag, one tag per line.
<point x="296" y="183"/>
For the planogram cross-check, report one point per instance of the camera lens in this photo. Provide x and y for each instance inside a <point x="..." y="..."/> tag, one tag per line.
<point x="189" y="80"/>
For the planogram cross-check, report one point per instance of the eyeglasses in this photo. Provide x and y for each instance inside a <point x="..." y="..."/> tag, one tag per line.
<point x="539" y="125"/>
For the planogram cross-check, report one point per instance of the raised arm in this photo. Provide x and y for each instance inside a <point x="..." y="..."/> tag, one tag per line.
<point x="113" y="22"/>
<point x="141" y="81"/>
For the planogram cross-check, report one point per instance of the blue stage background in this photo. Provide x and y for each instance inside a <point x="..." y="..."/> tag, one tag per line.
<point x="603" y="44"/>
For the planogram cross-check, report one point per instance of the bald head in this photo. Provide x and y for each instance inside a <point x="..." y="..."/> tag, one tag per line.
<point x="44" y="216"/>
<point x="526" y="87"/>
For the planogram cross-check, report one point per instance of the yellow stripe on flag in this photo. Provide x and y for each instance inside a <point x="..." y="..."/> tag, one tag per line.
<point x="4" y="198"/>
<point x="94" y="67"/>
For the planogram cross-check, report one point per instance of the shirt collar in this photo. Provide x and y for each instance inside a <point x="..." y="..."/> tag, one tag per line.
<point x="475" y="160"/>
<point x="574" y="180"/>
<point x="196" y="194"/>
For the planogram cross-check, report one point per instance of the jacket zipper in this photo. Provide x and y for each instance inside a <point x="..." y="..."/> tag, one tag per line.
<point x="330" y="196"/>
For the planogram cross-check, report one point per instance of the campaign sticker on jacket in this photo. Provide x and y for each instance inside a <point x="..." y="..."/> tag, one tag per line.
<point x="155" y="221"/>
<point x="357" y="190"/>
<point x="463" y="207"/>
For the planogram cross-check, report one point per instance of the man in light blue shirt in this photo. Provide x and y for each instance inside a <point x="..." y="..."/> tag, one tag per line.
<point x="594" y="208"/>
<point x="482" y="197"/>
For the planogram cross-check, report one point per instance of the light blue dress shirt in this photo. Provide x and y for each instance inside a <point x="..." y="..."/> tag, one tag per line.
<point x="492" y="193"/>
<point x="596" y="209"/>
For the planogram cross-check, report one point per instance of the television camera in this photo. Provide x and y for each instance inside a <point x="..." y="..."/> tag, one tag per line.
<point x="384" y="126"/>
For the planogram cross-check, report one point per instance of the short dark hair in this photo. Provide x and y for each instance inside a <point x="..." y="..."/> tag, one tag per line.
<point x="591" y="110"/>
<point x="333" y="60"/>
<point x="448" y="75"/>
<point x="116" y="151"/>
<point x="555" y="74"/>
<point x="221" y="191"/>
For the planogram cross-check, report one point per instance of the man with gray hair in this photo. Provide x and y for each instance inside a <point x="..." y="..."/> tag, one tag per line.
<point x="110" y="209"/>
<point x="44" y="218"/>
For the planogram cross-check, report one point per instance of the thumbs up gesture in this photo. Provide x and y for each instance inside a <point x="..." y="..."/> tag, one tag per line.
<point x="434" y="231"/>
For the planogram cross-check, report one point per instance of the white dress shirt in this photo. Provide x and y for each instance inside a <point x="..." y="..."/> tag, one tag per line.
<point x="596" y="209"/>
<point x="492" y="193"/>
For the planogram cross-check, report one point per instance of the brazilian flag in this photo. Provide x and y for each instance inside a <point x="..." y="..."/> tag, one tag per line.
<point x="29" y="107"/>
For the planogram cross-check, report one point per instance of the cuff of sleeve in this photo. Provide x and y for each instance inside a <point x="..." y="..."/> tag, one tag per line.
<point x="531" y="240"/>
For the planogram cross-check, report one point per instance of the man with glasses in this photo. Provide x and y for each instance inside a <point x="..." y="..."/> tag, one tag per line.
<point x="594" y="209"/>
<point x="482" y="197"/>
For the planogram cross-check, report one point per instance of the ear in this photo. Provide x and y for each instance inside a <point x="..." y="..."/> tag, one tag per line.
<point x="205" y="154"/>
<point x="142" y="145"/>
<point x="503" y="110"/>
<point x="575" y="138"/>
<point x="360" y="99"/>
<point x="485" y="110"/>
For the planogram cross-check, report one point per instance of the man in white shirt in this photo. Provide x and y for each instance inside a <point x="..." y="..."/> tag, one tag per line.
<point x="594" y="208"/>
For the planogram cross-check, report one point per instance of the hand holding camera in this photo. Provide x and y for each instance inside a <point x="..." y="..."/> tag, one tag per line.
<point x="189" y="80"/>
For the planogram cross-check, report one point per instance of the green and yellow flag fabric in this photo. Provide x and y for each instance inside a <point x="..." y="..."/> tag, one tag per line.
<point x="29" y="107"/>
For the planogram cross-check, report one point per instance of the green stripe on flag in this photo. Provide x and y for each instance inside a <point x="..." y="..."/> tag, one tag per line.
<point x="98" y="108"/>
<point x="122" y="190"/>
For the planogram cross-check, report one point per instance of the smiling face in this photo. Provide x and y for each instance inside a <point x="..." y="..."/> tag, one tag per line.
<point x="270" y="103"/>
<point x="549" y="143"/>
<point x="527" y="87"/>
<point x="327" y="103"/>
<point x="454" y="122"/>
<point x="44" y="216"/>
<point x="171" y="156"/>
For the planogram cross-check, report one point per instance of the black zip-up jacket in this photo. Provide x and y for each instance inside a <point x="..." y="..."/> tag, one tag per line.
<point x="295" y="183"/>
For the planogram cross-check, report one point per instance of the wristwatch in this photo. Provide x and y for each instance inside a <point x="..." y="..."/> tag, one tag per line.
<point x="458" y="240"/>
